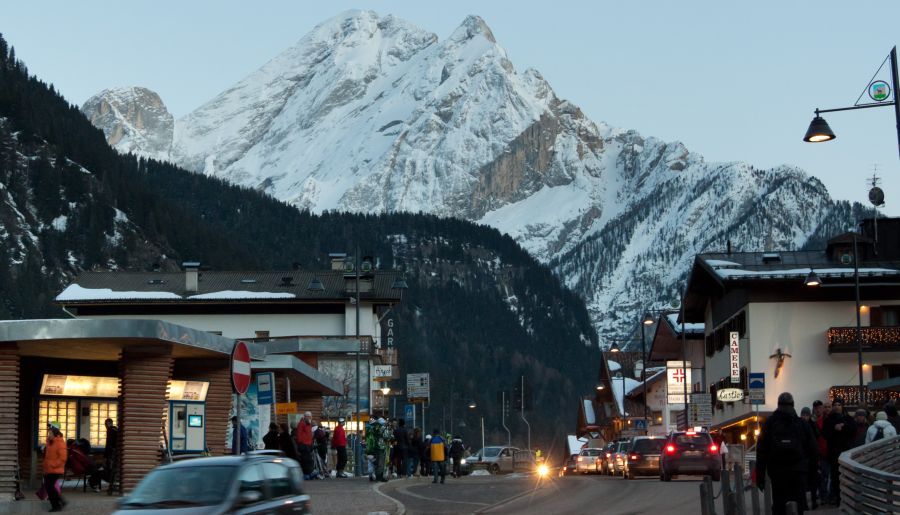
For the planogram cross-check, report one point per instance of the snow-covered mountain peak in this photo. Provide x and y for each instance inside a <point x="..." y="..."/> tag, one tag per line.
<point x="473" y="26"/>
<point x="134" y="119"/>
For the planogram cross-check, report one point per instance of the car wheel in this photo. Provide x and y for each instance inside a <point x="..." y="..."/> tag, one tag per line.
<point x="495" y="468"/>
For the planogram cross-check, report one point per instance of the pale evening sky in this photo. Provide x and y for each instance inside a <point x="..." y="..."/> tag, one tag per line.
<point x="731" y="81"/>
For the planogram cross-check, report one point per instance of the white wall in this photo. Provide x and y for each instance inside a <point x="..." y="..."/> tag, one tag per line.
<point x="798" y="329"/>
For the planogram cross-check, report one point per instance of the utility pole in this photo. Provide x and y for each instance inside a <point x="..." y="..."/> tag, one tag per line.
<point x="503" y="420"/>
<point x="523" y="412"/>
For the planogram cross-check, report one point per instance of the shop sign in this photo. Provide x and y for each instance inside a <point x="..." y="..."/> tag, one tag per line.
<point x="188" y="390"/>
<point x="382" y="372"/>
<point x="678" y="381"/>
<point x="285" y="408"/>
<point x="735" y="357"/>
<point x="730" y="395"/>
<point x="80" y="386"/>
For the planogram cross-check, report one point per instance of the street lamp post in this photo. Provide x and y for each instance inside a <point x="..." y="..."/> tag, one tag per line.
<point x="819" y="131"/>
<point x="647" y="320"/>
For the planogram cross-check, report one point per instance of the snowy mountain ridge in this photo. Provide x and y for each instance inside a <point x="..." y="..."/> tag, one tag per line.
<point x="371" y="114"/>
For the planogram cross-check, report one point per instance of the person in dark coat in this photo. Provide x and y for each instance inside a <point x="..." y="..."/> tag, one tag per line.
<point x="785" y="450"/>
<point x="892" y="415"/>
<point x="456" y="454"/>
<point x="401" y="448"/>
<point x="862" y="426"/>
<point x="286" y="443"/>
<point x="812" y="485"/>
<point x="838" y="430"/>
<point x="271" y="438"/>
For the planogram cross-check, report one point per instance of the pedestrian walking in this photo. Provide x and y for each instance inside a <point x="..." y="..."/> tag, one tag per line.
<point x="54" y="466"/>
<point x="425" y="456"/>
<point x="414" y="452"/>
<point x="839" y="430"/>
<point x="438" y="456"/>
<point x="304" y="439"/>
<point x="111" y="453"/>
<point x="821" y="411"/>
<point x="287" y="443"/>
<point x="401" y="448"/>
<point x="242" y="446"/>
<point x="812" y="485"/>
<point x="456" y="454"/>
<point x="784" y="451"/>
<point x="339" y="444"/>
<point x="270" y="440"/>
<point x="882" y="428"/>
<point x="862" y="427"/>
<point x="385" y="435"/>
<point x="320" y="441"/>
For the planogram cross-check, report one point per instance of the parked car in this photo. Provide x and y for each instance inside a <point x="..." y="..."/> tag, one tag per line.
<point x="251" y="483"/>
<point x="606" y="458"/>
<point x="495" y="459"/>
<point x="643" y="456"/>
<point x="588" y="461"/>
<point x="617" y="460"/>
<point x="690" y="452"/>
<point x="568" y="466"/>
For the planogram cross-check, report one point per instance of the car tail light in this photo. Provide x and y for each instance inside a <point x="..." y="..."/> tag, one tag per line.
<point x="690" y="433"/>
<point x="713" y="448"/>
<point x="670" y="449"/>
<point x="608" y="455"/>
<point x="581" y="458"/>
<point x="635" y="456"/>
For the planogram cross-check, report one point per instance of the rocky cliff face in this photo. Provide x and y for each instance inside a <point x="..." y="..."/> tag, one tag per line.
<point x="372" y="114"/>
<point x="133" y="120"/>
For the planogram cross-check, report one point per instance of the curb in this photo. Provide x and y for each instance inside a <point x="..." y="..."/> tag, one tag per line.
<point x="401" y="509"/>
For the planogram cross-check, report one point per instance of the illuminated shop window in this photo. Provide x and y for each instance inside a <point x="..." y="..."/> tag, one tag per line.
<point x="100" y="411"/>
<point x="63" y="411"/>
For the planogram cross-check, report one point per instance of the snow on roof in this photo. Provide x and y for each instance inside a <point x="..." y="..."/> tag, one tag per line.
<point x="575" y="444"/>
<point x="800" y="273"/>
<point x="75" y="292"/>
<point x="589" y="416"/>
<point x="613" y="365"/>
<point x="689" y="328"/>
<point x="721" y="262"/>
<point x="617" y="387"/>
<point x="231" y="294"/>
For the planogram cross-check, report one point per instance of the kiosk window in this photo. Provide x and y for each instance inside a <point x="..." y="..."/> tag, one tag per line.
<point x="100" y="411"/>
<point x="279" y="479"/>
<point x="63" y="411"/>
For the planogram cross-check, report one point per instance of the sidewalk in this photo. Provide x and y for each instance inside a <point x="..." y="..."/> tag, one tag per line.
<point x="349" y="496"/>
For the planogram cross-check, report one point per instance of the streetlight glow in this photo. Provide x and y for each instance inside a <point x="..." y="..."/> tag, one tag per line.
<point x="818" y="131"/>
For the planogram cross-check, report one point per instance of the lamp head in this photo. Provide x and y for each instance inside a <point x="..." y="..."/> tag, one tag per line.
<point x="648" y="319"/>
<point x="600" y="387"/>
<point x="818" y="131"/>
<point x="812" y="279"/>
<point x="614" y="347"/>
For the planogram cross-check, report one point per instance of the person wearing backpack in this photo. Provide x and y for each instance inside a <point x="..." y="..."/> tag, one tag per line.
<point x="786" y="446"/>
<point x="882" y="428"/>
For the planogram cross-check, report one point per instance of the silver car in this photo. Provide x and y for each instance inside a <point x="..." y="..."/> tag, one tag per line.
<point x="589" y="461"/>
<point x="495" y="459"/>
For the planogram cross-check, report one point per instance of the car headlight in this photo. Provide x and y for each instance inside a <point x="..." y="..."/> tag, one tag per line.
<point x="543" y="470"/>
<point x="462" y="462"/>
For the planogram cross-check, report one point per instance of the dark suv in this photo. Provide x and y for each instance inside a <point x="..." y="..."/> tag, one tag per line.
<point x="643" y="456"/>
<point x="690" y="452"/>
<point x="247" y="484"/>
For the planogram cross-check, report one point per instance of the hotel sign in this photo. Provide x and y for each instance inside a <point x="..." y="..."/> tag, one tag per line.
<point x="734" y="344"/>
<point x="678" y="381"/>
<point x="730" y="395"/>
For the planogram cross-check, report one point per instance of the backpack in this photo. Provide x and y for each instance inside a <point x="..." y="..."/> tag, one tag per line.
<point x="879" y="434"/>
<point x="787" y="446"/>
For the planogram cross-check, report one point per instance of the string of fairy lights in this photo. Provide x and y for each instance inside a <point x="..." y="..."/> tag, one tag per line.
<point x="850" y="394"/>
<point x="872" y="337"/>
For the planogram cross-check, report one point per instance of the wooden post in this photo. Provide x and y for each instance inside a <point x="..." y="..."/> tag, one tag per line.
<point x="739" y="489"/>
<point x="726" y="493"/>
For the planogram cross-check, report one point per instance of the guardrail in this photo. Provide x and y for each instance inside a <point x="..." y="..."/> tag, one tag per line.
<point x="870" y="478"/>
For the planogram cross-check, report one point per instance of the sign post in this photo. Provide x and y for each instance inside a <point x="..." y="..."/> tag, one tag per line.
<point x="240" y="382"/>
<point x="418" y="387"/>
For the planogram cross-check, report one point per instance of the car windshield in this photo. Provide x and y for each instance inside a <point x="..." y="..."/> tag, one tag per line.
<point x="623" y="447"/>
<point x="182" y="486"/>
<point x="590" y="452"/>
<point x="489" y="452"/>
<point x="696" y="439"/>
<point x="648" y="446"/>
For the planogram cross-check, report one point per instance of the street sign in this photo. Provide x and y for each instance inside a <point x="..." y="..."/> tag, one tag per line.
<point x="418" y="387"/>
<point x="264" y="392"/>
<point x="240" y="367"/>
<point x="701" y="409"/>
<point x="735" y="346"/>
<point x="409" y="411"/>
<point x="285" y="408"/>
<point x="640" y="423"/>
<point x="382" y="372"/>
<point x="757" y="388"/>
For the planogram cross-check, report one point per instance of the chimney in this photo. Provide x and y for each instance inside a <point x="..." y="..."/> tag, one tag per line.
<point x="191" y="275"/>
<point x="337" y="261"/>
<point x="729" y="247"/>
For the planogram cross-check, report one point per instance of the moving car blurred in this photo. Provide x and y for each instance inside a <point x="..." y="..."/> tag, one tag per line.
<point x="690" y="452"/>
<point x="495" y="459"/>
<point x="588" y="461"/>
<point x="569" y="465"/>
<point x="643" y="456"/>
<point x="617" y="460"/>
<point x="250" y="483"/>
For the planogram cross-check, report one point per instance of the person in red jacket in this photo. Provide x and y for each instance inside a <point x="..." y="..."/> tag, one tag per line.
<point x="339" y="442"/>
<point x="55" y="456"/>
<point x="304" y="439"/>
<point x="821" y="411"/>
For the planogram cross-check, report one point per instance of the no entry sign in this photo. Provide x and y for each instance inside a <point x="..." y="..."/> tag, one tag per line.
<point x="240" y="367"/>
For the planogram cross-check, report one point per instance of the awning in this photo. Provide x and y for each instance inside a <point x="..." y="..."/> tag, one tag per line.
<point x="104" y="339"/>
<point x="302" y="376"/>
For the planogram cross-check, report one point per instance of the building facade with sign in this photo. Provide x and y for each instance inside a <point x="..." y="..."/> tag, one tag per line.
<point x="683" y="369"/>
<point x="799" y="337"/>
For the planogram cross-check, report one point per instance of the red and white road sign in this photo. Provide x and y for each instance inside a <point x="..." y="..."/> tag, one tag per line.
<point x="240" y="367"/>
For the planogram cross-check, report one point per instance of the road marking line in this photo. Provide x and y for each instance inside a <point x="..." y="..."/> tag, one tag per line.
<point x="401" y="509"/>
<point x="405" y="491"/>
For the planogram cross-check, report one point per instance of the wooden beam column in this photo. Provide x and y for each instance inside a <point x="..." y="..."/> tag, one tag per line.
<point x="144" y="374"/>
<point x="9" y="421"/>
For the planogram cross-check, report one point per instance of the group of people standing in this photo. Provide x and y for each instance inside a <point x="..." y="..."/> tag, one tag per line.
<point x="394" y="451"/>
<point x="308" y="444"/>
<point x="800" y="453"/>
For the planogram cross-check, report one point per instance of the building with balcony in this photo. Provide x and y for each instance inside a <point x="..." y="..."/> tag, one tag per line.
<point x="802" y="338"/>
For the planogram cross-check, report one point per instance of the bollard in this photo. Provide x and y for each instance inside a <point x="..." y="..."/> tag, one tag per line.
<point x="705" y="494"/>
<point x="791" y="508"/>
<point x="710" y="506"/>
<point x="740" y="501"/>
<point x="754" y="492"/>
<point x="726" y="493"/>
<point x="767" y="496"/>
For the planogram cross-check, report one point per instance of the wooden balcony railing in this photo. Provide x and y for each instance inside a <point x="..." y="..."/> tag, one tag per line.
<point x="873" y="339"/>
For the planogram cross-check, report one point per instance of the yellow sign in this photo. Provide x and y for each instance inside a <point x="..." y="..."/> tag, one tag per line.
<point x="285" y="408"/>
